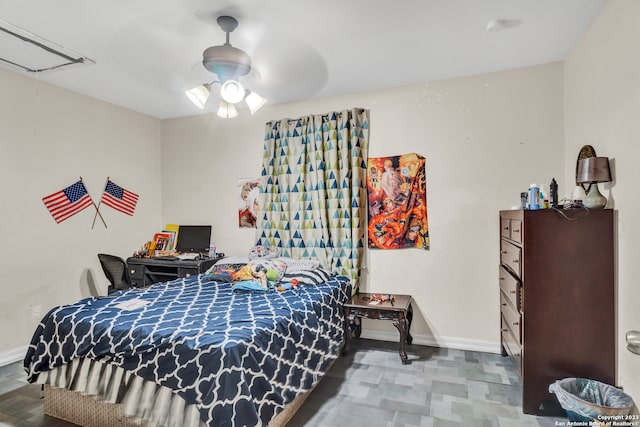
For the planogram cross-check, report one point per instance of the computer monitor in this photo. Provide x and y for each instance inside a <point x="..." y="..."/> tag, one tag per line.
<point x="194" y="238"/>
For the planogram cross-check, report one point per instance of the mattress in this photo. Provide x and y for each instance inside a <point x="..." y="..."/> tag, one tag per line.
<point x="238" y="358"/>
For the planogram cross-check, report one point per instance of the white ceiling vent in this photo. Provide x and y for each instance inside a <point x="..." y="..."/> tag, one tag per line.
<point x="27" y="52"/>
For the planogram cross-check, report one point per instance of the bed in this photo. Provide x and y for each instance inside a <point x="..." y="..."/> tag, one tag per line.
<point x="191" y="351"/>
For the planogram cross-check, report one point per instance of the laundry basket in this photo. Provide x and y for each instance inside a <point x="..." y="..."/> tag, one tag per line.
<point x="589" y="400"/>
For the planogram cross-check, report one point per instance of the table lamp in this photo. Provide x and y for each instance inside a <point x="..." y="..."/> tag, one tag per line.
<point x="593" y="170"/>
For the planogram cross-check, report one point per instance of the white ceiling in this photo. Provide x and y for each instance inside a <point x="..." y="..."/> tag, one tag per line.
<point x="147" y="52"/>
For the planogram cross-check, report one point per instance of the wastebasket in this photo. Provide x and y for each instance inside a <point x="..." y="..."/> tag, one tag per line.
<point x="589" y="400"/>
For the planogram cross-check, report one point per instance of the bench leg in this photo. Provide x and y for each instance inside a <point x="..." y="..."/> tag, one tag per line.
<point x="409" y="320"/>
<point x="401" y="325"/>
<point x="346" y="332"/>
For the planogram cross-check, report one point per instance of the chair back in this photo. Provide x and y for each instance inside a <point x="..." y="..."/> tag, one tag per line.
<point x="115" y="268"/>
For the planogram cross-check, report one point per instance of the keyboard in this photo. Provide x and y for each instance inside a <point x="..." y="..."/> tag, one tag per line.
<point x="168" y="257"/>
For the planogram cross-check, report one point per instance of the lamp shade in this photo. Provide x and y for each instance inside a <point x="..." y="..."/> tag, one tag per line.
<point x="593" y="170"/>
<point x="199" y="95"/>
<point x="254" y="101"/>
<point x="232" y="91"/>
<point x="226" y="110"/>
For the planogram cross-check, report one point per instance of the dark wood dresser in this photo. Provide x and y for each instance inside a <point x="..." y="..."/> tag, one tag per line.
<point x="557" y="298"/>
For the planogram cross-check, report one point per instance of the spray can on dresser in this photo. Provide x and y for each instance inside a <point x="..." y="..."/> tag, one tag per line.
<point x="553" y="189"/>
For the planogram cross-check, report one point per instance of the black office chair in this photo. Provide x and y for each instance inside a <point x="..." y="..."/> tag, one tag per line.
<point x="115" y="268"/>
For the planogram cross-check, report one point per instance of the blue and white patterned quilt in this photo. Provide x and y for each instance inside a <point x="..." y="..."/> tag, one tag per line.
<point x="239" y="356"/>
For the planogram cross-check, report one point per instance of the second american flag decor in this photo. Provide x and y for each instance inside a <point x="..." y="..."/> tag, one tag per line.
<point x="118" y="198"/>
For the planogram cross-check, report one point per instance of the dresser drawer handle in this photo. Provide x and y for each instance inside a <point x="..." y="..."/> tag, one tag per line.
<point x="514" y="323"/>
<point x="512" y="292"/>
<point x="505" y="330"/>
<point x="504" y="304"/>
<point x="516" y="261"/>
<point x="503" y="252"/>
<point x="502" y="278"/>
<point x="505" y="228"/>
<point x="515" y="230"/>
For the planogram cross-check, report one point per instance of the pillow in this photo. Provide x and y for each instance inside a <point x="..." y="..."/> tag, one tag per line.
<point x="223" y="270"/>
<point x="233" y="260"/>
<point x="260" y="251"/>
<point x="299" y="264"/>
<point x="308" y="277"/>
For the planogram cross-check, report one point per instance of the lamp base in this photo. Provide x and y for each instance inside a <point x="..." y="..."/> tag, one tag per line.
<point x="594" y="200"/>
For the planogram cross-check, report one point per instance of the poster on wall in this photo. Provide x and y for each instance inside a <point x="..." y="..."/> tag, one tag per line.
<point x="249" y="191"/>
<point x="397" y="197"/>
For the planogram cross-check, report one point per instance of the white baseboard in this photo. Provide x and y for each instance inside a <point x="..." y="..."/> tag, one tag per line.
<point x="445" y="342"/>
<point x="15" y="355"/>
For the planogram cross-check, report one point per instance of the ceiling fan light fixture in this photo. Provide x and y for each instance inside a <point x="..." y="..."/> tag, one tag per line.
<point x="227" y="110"/>
<point x="232" y="91"/>
<point x="226" y="61"/>
<point x="254" y="101"/>
<point x="199" y="95"/>
<point x="229" y="64"/>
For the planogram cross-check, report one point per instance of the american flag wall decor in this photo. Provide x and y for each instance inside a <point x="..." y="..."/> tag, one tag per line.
<point x="67" y="202"/>
<point x="119" y="198"/>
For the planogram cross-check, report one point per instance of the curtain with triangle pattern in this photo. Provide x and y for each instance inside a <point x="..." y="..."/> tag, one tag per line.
<point x="313" y="189"/>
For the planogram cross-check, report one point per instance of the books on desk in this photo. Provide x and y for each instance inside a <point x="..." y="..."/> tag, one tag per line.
<point x="162" y="241"/>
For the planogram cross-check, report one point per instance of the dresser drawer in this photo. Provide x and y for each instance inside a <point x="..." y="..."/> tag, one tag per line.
<point x="515" y="230"/>
<point x="510" y="316"/>
<point x="511" y="288"/>
<point x="505" y="229"/>
<point x="511" y="257"/>
<point x="512" y="347"/>
<point x="511" y="229"/>
<point x="187" y="272"/>
<point x="136" y="272"/>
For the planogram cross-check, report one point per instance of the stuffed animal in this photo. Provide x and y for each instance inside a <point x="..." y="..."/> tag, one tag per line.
<point x="259" y="273"/>
<point x="256" y="272"/>
<point x="245" y="273"/>
<point x="272" y="275"/>
<point x="284" y="286"/>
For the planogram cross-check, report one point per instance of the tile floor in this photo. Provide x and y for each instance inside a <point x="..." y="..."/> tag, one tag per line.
<point x="367" y="388"/>
<point x="439" y="388"/>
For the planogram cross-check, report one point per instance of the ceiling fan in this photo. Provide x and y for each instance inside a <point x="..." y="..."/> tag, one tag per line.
<point x="228" y="63"/>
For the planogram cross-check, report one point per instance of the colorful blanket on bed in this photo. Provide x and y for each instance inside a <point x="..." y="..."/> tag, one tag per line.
<point x="239" y="356"/>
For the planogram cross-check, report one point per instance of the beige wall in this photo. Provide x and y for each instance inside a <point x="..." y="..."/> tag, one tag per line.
<point x="602" y="97"/>
<point x="486" y="138"/>
<point x="49" y="137"/>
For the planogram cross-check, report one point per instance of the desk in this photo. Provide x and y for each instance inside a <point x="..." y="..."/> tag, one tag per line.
<point x="147" y="271"/>
<point x="400" y="312"/>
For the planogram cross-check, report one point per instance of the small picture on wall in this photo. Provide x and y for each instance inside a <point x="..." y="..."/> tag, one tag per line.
<point x="249" y="191"/>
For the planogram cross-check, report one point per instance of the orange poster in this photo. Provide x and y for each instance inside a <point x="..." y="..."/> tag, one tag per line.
<point x="397" y="193"/>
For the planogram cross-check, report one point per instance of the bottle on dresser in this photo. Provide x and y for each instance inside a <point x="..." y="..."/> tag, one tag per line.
<point x="212" y="250"/>
<point x="534" y="197"/>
